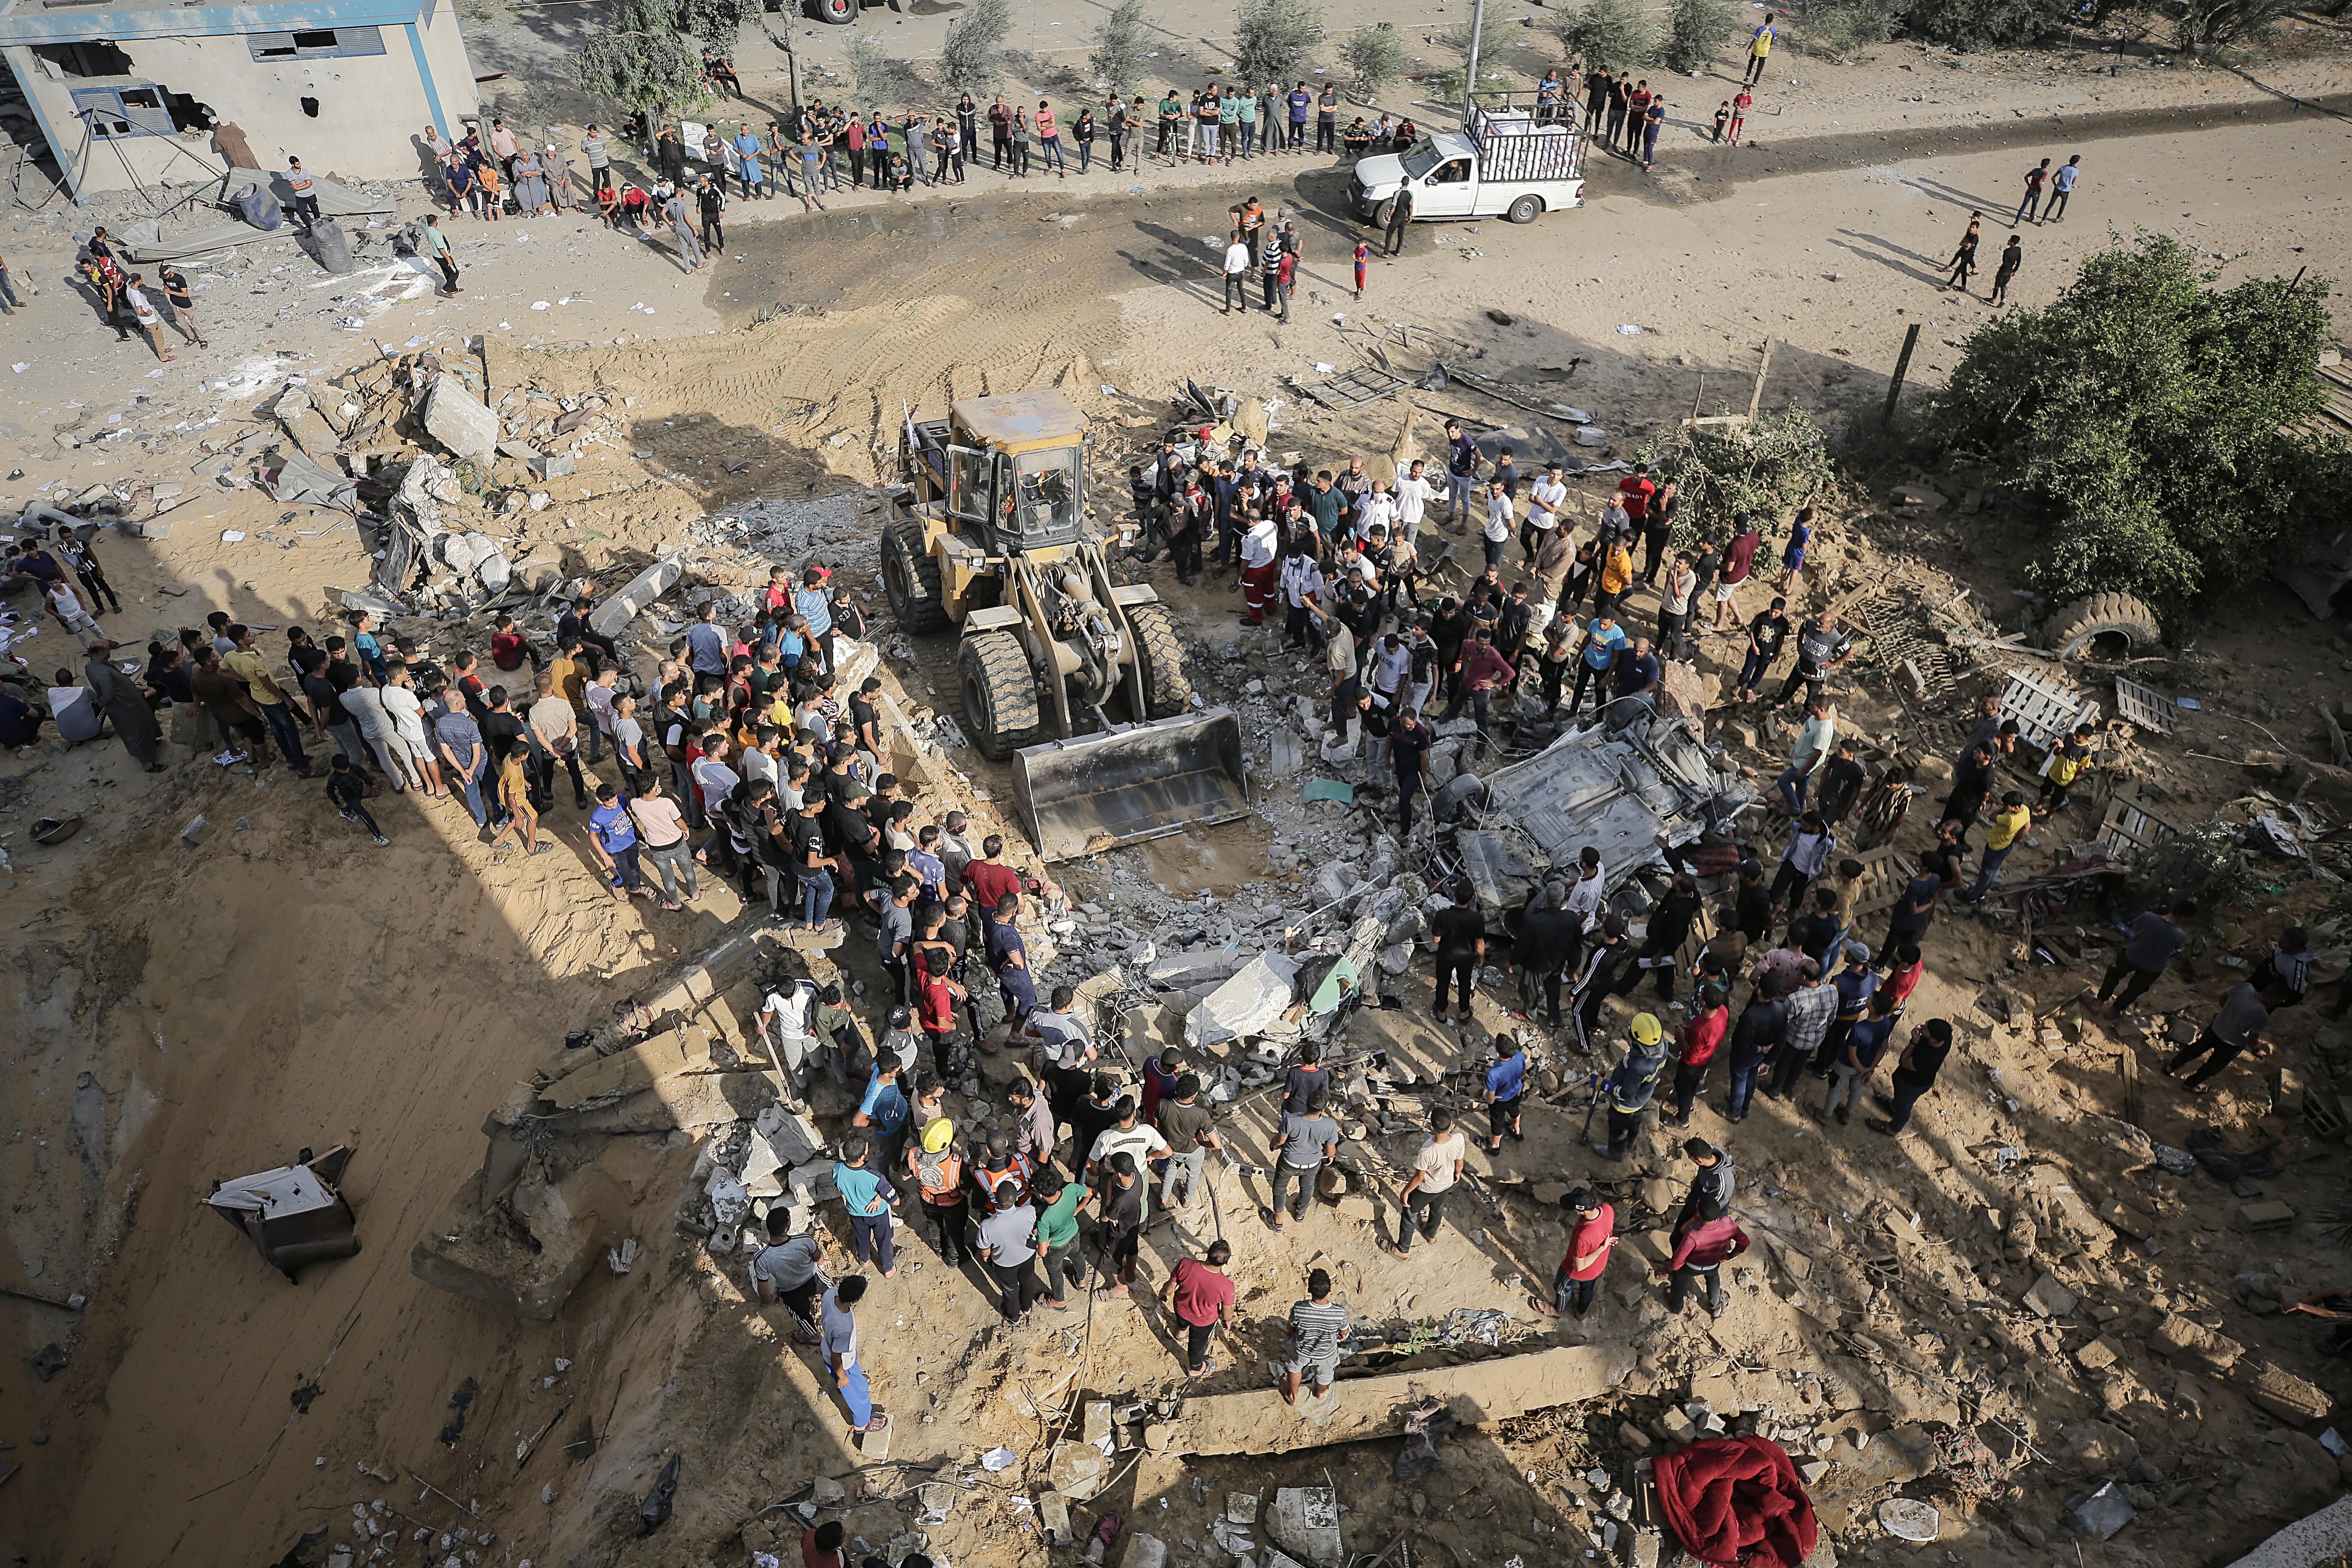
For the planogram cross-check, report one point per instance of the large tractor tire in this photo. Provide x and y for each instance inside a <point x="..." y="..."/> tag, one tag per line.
<point x="1159" y="656"/>
<point x="1001" y="707"/>
<point x="910" y="577"/>
<point x="2104" y="626"/>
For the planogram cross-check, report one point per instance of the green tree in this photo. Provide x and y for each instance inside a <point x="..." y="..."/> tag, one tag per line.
<point x="1375" y="54"/>
<point x="2151" y="418"/>
<point x="1496" y="43"/>
<point x="1272" y="38"/>
<point x="881" y="82"/>
<point x="973" y="58"/>
<point x="640" y="61"/>
<point x="1766" y="468"/>
<point x="1120" y="48"/>
<point x="715" y="22"/>
<point x="1698" y="32"/>
<point x="1606" y="35"/>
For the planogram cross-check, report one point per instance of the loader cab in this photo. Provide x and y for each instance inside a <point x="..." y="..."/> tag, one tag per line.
<point x="1018" y="469"/>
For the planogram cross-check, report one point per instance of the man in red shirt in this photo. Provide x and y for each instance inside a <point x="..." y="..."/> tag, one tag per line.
<point x="1702" y="1037"/>
<point x="991" y="880"/>
<point x="820" y="1546"/>
<point x="1591" y="1233"/>
<point x="1635" y="491"/>
<point x="1203" y="1298"/>
<point x="1699" y="1254"/>
<point x="1738" y="560"/>
<point x="1904" y="978"/>
<point x="507" y="649"/>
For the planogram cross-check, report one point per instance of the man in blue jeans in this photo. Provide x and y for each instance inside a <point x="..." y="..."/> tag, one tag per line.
<point x="1754" y="1039"/>
<point x="869" y="1198"/>
<point x="1816" y="739"/>
<point x="839" y="1329"/>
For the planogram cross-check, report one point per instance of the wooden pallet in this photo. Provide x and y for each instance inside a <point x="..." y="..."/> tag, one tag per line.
<point x="2044" y="708"/>
<point x="2143" y="706"/>
<point x="2129" y="825"/>
<point x="1355" y="388"/>
<point x="1885" y="872"/>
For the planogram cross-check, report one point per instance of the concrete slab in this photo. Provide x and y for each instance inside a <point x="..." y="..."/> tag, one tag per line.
<point x="2322" y="1537"/>
<point x="460" y="421"/>
<point x="1256" y="1421"/>
<point x="636" y="596"/>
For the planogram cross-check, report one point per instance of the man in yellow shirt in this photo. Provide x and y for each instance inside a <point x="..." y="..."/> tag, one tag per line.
<point x="1759" y="50"/>
<point x="1616" y="576"/>
<point x="571" y="675"/>
<point x="247" y="664"/>
<point x="2071" y="756"/>
<point x="2008" y="824"/>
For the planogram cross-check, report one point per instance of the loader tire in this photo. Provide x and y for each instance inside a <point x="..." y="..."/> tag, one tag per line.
<point x="910" y="578"/>
<point x="1002" y="710"/>
<point x="1160" y="657"/>
<point x="2104" y="626"/>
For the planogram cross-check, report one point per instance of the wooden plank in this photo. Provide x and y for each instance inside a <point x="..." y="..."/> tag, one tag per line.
<point x="1885" y="872"/>
<point x="1756" y="394"/>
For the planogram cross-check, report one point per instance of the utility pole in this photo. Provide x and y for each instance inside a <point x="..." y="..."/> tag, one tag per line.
<point x="1470" y="76"/>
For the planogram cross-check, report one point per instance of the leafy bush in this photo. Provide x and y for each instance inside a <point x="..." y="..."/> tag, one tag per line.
<point x="2151" y="416"/>
<point x="1766" y="470"/>
<point x="1271" y="40"/>
<point x="1121" y="47"/>
<point x="1376" y="57"/>
<point x="1696" y="33"/>
<point x="1836" y="29"/>
<point x="973" y="58"/>
<point x="2207" y="25"/>
<point x="1606" y="35"/>
<point x="1989" y="24"/>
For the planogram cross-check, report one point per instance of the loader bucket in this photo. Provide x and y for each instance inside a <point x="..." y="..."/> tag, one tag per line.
<point x="1077" y="797"/>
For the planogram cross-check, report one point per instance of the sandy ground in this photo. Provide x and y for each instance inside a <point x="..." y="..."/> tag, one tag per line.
<point x="193" y="1012"/>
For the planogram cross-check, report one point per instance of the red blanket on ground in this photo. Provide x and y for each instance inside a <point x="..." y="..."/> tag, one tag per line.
<point x="1736" y="1500"/>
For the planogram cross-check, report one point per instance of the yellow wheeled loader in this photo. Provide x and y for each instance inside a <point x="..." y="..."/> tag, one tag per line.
<point x="1075" y="678"/>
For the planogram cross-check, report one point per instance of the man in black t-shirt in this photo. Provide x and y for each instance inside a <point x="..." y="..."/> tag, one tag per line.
<point x="1408" y="746"/>
<point x="1307" y="1086"/>
<point x="1461" y="936"/>
<point x="1915" y="1075"/>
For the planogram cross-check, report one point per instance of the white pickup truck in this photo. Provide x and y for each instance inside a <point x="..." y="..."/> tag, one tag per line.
<point x="1505" y="162"/>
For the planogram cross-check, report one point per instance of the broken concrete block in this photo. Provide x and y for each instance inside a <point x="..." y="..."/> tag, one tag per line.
<point x="2049" y="1298"/>
<point x="2100" y="1448"/>
<point x="2102" y="1511"/>
<point x="1144" y="1551"/>
<point x="2186" y="1343"/>
<point x="792" y="1136"/>
<point x="2098" y="1355"/>
<point x="1644" y="1548"/>
<point x="2273" y="1388"/>
<point x="1926" y="500"/>
<point x="2129" y="1221"/>
<point x="197" y="832"/>
<point x="459" y="420"/>
<point x="1813" y="1470"/>
<point x="1097" y="1423"/>
<point x="1075" y="1470"/>
<point x="636" y="595"/>
<point x="1194" y="971"/>
<point x="1053" y="1517"/>
<point x="2269" y="1214"/>
<point x="1634" y="1437"/>
<point x="1304" y="1522"/>
<point x="1244" y="1005"/>
<point x="553" y="465"/>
